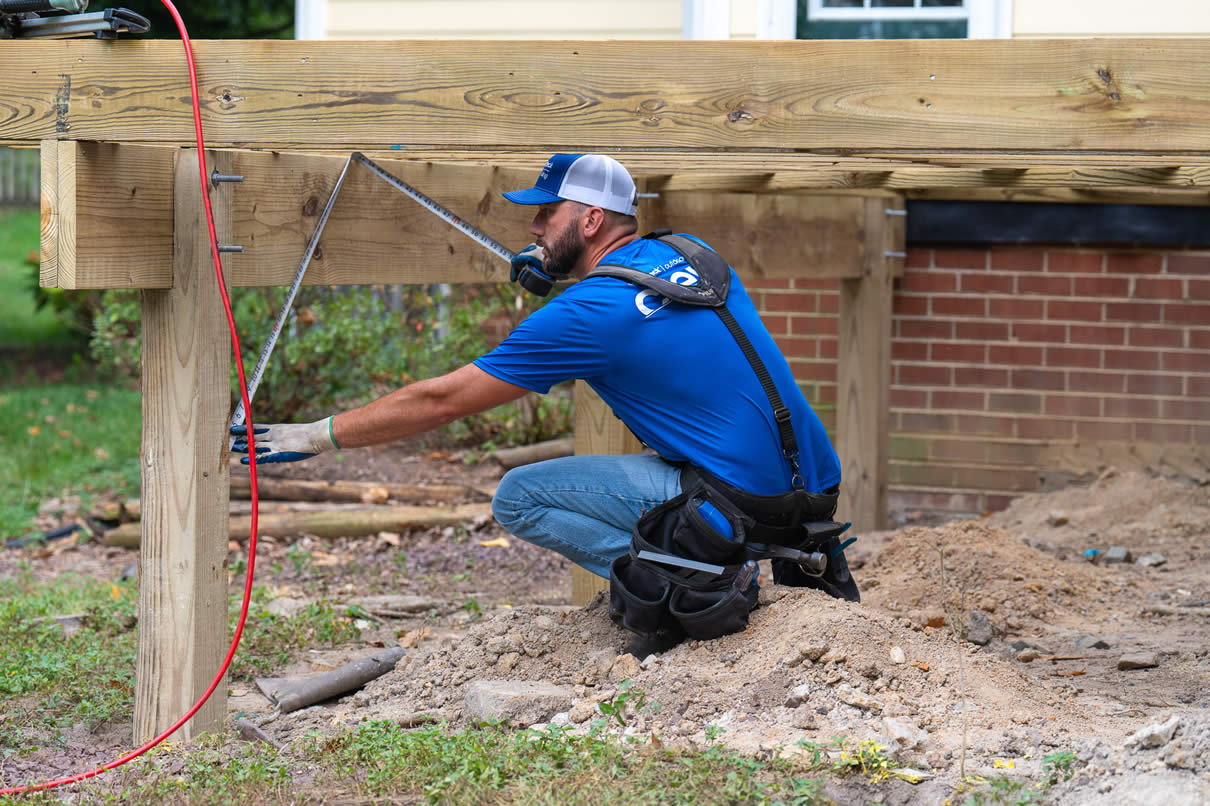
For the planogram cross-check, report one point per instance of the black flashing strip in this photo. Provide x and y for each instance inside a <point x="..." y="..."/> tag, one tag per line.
<point x="1117" y="225"/>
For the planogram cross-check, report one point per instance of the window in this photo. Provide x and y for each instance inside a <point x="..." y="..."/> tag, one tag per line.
<point x="902" y="19"/>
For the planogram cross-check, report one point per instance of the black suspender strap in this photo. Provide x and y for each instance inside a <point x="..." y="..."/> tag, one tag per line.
<point x="781" y="414"/>
<point x="711" y="291"/>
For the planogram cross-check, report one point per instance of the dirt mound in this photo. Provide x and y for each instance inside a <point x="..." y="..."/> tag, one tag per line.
<point x="938" y="575"/>
<point x="808" y="667"/>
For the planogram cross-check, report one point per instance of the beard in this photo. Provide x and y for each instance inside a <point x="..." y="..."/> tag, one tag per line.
<point x="563" y="253"/>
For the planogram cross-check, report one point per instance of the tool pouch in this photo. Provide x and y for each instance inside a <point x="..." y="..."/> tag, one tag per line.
<point x="682" y="577"/>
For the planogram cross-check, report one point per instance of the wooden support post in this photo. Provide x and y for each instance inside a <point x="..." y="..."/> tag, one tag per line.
<point x="183" y="568"/>
<point x="597" y="431"/>
<point x="864" y="367"/>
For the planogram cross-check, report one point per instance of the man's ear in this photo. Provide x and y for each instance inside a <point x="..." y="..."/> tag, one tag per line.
<point x="592" y="222"/>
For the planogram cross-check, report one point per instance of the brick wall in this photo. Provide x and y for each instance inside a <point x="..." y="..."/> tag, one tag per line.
<point x="1017" y="369"/>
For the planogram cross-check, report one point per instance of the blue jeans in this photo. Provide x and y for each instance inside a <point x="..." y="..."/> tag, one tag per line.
<point x="584" y="507"/>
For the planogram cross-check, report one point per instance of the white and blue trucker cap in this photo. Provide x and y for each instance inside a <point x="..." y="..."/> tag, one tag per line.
<point x="592" y="179"/>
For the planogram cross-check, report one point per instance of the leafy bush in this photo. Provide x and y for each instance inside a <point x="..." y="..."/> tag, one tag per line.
<point x="344" y="346"/>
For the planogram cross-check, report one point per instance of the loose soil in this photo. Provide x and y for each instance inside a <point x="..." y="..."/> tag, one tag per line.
<point x="980" y="646"/>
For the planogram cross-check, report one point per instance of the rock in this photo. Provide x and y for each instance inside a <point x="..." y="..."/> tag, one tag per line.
<point x="1027" y="655"/>
<point x="582" y="711"/>
<point x="897" y="655"/>
<point x="851" y="696"/>
<point x="1151" y="560"/>
<point x="934" y="618"/>
<point x="1091" y="642"/>
<point x="902" y="734"/>
<point x="286" y="606"/>
<point x="833" y="656"/>
<point x="1118" y="554"/>
<point x="625" y="666"/>
<point x="1057" y="518"/>
<point x="1154" y="735"/>
<point x="1138" y="660"/>
<point x="815" y="652"/>
<point x="978" y="628"/>
<point x="390" y="605"/>
<point x="804" y="719"/>
<point x="518" y="702"/>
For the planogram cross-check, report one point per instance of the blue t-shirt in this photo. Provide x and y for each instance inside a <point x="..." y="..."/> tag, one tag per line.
<point x="673" y="373"/>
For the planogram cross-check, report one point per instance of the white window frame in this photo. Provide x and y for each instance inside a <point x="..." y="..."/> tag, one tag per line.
<point x="986" y="19"/>
<point x="310" y="19"/>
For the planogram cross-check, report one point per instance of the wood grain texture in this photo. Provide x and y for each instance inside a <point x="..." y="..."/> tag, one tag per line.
<point x="863" y="371"/>
<point x="1023" y="95"/>
<point x="185" y="479"/>
<point x="597" y="431"/>
<point x="120" y="233"/>
<point x="771" y="235"/>
<point x="122" y="214"/>
<point x="48" y="257"/>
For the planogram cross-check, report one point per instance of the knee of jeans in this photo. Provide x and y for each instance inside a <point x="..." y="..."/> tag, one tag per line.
<point x="507" y="504"/>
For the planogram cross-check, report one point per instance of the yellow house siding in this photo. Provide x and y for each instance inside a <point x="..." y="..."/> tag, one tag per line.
<point x="501" y="19"/>
<point x="1050" y="18"/>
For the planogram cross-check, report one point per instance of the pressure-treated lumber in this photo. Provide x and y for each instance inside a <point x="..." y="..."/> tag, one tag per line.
<point x="329" y="523"/>
<point x="114" y="208"/>
<point x="349" y="491"/>
<point x="119" y="199"/>
<point x="597" y="431"/>
<point x="183" y="557"/>
<point x="925" y="95"/>
<point x="863" y="366"/>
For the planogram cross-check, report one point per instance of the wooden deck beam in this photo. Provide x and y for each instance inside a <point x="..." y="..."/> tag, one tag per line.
<point x="110" y="221"/>
<point x="1129" y="95"/>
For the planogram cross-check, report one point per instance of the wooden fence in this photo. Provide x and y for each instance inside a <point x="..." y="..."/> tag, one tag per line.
<point x="19" y="175"/>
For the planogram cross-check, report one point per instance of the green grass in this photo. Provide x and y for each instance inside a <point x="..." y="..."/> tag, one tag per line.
<point x="20" y="324"/>
<point x="65" y="439"/>
<point x="49" y="682"/>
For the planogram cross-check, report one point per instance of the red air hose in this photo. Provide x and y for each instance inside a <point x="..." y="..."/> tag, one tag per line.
<point x="243" y="388"/>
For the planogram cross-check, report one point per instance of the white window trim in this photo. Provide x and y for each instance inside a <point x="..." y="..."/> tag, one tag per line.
<point x="310" y="19"/>
<point x="706" y="19"/>
<point x="986" y="19"/>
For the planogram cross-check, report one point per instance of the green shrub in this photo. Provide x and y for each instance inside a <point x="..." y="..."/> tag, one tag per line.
<point x="342" y="347"/>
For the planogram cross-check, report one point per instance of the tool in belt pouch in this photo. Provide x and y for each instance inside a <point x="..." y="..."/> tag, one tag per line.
<point x="687" y="574"/>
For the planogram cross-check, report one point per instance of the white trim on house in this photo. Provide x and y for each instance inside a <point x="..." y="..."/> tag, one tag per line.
<point x="777" y="19"/>
<point x="990" y="19"/>
<point x="310" y="19"/>
<point x="706" y="19"/>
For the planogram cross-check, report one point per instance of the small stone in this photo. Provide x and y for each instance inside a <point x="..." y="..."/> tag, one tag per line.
<point x="1151" y="560"/>
<point x="851" y="696"/>
<point x="934" y="618"/>
<point x="1091" y="642"/>
<point x="1057" y="518"/>
<point x="1027" y="655"/>
<point x="1154" y="735"/>
<point x="520" y="702"/>
<point x="978" y="628"/>
<point x="902" y="733"/>
<point x="803" y="719"/>
<point x="793" y="701"/>
<point x="821" y="709"/>
<point x="286" y="606"/>
<point x="1118" y="554"/>
<point x="815" y="652"/>
<point x="626" y="666"/>
<point x="1138" y="660"/>
<point x="897" y="655"/>
<point x="833" y="656"/>
<point x="582" y="711"/>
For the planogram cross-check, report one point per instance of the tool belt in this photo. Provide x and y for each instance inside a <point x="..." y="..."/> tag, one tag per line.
<point x="685" y="575"/>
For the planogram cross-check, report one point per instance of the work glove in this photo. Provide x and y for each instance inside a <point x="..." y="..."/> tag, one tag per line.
<point x="530" y="257"/>
<point x="285" y="442"/>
